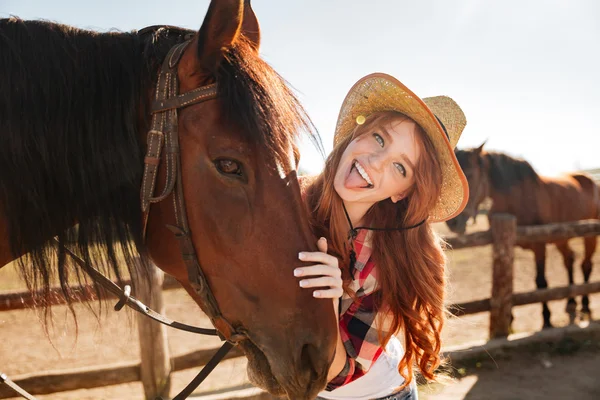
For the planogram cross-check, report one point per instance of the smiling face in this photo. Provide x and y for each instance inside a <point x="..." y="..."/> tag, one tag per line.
<point x="379" y="163"/>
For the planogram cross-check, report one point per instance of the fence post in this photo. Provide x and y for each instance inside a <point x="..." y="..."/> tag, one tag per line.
<point x="504" y="234"/>
<point x="155" y="369"/>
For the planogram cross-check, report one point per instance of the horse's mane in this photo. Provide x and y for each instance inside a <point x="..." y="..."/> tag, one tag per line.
<point x="257" y="98"/>
<point x="506" y="171"/>
<point x="72" y="104"/>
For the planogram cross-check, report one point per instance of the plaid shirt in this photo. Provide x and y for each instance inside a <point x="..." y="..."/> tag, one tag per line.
<point x="357" y="318"/>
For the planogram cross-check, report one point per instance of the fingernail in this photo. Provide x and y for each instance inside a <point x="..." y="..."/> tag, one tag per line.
<point x="298" y="272"/>
<point x="302" y="283"/>
<point x="301" y="256"/>
<point x="317" y="294"/>
<point x="322" y="238"/>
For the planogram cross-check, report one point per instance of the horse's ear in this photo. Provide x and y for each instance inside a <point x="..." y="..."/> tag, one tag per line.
<point x="480" y="148"/>
<point x="221" y="28"/>
<point x="250" y="27"/>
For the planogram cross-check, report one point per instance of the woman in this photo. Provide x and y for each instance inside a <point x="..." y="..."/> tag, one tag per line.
<point x="391" y="174"/>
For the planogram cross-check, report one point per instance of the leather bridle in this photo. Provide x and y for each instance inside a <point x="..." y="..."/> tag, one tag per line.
<point x="163" y="138"/>
<point x="163" y="134"/>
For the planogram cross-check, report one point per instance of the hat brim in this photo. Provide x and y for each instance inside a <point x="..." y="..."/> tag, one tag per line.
<point x="381" y="92"/>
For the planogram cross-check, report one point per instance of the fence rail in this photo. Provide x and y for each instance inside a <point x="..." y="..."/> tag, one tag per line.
<point x="112" y="374"/>
<point x="20" y="300"/>
<point x="503" y="235"/>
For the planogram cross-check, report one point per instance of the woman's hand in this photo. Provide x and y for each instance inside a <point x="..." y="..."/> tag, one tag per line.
<point x="325" y="274"/>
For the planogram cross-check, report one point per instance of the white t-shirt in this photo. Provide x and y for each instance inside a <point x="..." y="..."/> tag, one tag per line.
<point x="380" y="381"/>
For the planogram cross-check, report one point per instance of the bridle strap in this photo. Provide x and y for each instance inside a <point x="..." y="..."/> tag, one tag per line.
<point x="163" y="133"/>
<point x="208" y="368"/>
<point x="182" y="100"/>
<point x="125" y="299"/>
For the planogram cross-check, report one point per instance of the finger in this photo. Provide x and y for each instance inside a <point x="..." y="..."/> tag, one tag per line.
<point x="328" y="293"/>
<point x="323" y="281"/>
<point x="319" y="269"/>
<point x="318" y="256"/>
<point x="322" y="245"/>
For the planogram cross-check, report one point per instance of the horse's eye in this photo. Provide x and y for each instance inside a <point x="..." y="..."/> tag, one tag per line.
<point x="229" y="167"/>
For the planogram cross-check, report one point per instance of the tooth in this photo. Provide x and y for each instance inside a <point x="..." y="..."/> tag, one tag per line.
<point x="363" y="173"/>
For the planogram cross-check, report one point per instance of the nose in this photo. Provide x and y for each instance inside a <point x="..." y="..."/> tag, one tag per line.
<point x="377" y="161"/>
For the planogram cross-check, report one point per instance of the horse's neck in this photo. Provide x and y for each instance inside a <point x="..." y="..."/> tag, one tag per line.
<point x="520" y="199"/>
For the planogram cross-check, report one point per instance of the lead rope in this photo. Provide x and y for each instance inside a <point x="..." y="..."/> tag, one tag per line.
<point x="353" y="233"/>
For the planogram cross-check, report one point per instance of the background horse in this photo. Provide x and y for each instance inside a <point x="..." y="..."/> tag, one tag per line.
<point x="74" y="112"/>
<point x="516" y="188"/>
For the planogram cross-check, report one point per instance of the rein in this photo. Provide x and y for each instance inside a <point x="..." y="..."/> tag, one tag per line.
<point x="163" y="135"/>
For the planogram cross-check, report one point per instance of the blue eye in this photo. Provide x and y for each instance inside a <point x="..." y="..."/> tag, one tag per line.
<point x="379" y="139"/>
<point x="400" y="168"/>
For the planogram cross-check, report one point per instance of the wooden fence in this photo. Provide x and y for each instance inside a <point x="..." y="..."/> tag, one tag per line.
<point x="503" y="235"/>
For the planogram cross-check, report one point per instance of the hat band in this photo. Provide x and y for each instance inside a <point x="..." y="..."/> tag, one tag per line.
<point x="443" y="126"/>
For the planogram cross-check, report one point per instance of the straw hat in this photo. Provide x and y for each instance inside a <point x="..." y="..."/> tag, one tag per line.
<point x="382" y="92"/>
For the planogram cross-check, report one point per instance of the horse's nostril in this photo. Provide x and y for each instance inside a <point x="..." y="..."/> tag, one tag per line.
<point x="309" y="358"/>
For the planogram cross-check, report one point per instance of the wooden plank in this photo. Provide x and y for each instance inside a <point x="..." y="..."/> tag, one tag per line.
<point x="530" y="234"/>
<point x="559" y="293"/>
<point x="504" y="232"/>
<point x="470" y="240"/>
<point x="155" y="367"/>
<point x="520" y="299"/>
<point x="470" y="307"/>
<point x="516" y="341"/>
<point x="558" y="231"/>
<point x="25" y="299"/>
<point x="81" y="378"/>
<point x="95" y="376"/>
<point x="200" y="358"/>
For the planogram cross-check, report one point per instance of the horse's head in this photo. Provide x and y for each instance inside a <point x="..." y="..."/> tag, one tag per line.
<point x="474" y="167"/>
<point x="246" y="217"/>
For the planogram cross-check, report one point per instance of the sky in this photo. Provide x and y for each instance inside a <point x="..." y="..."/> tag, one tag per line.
<point x="525" y="72"/>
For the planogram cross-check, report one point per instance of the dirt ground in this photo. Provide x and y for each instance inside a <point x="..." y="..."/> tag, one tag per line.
<point x="527" y="374"/>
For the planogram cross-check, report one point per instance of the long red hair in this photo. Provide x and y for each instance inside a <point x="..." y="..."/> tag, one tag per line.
<point x="411" y="263"/>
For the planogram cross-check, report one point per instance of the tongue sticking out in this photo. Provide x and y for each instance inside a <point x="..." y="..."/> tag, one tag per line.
<point x="355" y="180"/>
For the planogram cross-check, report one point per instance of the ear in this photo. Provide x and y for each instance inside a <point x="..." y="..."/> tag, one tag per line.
<point x="397" y="197"/>
<point x="220" y="30"/>
<point x="250" y="27"/>
<point x="480" y="148"/>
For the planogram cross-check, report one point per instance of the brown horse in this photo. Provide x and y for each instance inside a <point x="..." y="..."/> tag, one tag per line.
<point x="514" y="187"/>
<point x="74" y="113"/>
